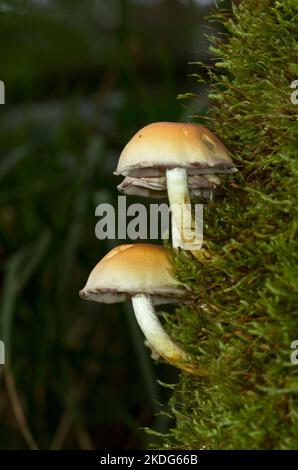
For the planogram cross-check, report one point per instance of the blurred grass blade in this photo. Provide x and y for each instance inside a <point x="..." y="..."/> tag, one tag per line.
<point x="12" y="159"/>
<point x="19" y="269"/>
<point x="34" y="258"/>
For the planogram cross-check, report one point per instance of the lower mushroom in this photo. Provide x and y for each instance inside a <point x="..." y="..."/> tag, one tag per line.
<point x="144" y="274"/>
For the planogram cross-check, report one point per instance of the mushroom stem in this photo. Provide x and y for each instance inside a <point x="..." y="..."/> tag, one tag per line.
<point x="183" y="233"/>
<point x="156" y="335"/>
<point x="176" y="238"/>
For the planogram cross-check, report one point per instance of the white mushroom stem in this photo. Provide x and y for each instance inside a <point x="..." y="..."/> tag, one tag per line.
<point x="156" y="335"/>
<point x="176" y="237"/>
<point x="183" y="228"/>
<point x="154" y="354"/>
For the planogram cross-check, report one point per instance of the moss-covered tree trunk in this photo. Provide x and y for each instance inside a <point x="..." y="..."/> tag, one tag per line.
<point x="245" y="315"/>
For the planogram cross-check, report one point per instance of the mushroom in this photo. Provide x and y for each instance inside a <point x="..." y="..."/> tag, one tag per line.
<point x="178" y="160"/>
<point x="156" y="187"/>
<point x="144" y="274"/>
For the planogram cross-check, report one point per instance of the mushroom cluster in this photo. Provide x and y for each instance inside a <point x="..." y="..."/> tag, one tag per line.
<point x="163" y="160"/>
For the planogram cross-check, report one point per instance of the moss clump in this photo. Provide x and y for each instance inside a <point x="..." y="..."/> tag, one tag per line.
<point x="246" y="397"/>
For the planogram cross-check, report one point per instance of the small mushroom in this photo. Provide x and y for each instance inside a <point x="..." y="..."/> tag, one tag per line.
<point x="178" y="160"/>
<point x="144" y="274"/>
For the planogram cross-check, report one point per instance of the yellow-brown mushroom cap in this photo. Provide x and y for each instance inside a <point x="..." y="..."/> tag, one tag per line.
<point x="128" y="270"/>
<point x="164" y="145"/>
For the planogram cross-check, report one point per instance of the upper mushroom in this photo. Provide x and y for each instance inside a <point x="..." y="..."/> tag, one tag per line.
<point x="144" y="274"/>
<point x="174" y="158"/>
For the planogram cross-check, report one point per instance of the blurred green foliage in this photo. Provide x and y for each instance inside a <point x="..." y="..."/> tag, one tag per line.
<point x="81" y="77"/>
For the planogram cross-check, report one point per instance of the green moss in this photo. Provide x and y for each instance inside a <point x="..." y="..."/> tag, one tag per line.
<point x="246" y="396"/>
